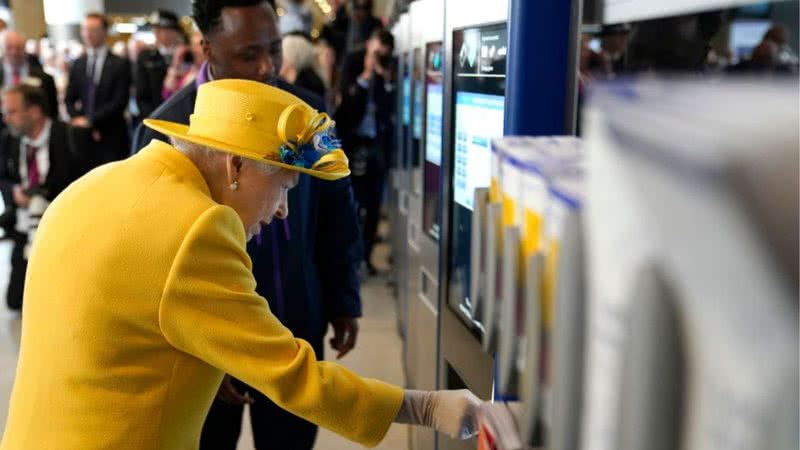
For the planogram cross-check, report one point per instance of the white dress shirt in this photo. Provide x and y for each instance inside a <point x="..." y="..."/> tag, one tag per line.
<point x="42" y="144"/>
<point x="8" y="74"/>
<point x="99" y="55"/>
<point x="28" y="218"/>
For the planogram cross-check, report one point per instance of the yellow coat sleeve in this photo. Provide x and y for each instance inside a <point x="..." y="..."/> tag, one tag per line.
<point x="210" y="309"/>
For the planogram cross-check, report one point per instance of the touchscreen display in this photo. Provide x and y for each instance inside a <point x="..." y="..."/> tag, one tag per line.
<point x="417" y="102"/>
<point x="479" y="80"/>
<point x="406" y="111"/>
<point x="434" y="107"/>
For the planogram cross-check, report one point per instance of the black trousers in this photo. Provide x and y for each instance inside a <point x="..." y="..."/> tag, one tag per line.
<point x="19" y="265"/>
<point x="273" y="428"/>
<point x="368" y="178"/>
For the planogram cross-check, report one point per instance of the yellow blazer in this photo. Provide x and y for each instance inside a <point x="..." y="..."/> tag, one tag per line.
<point x="139" y="296"/>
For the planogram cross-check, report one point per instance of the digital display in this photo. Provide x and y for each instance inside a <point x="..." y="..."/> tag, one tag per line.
<point x="417" y="109"/>
<point x="479" y="118"/>
<point x="434" y="108"/>
<point x="406" y="111"/>
<point x="746" y="35"/>
<point x="479" y="81"/>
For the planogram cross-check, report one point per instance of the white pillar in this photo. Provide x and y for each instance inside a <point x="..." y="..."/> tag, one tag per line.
<point x="64" y="17"/>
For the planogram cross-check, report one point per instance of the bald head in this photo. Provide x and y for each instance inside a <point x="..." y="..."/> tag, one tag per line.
<point x="14" y="48"/>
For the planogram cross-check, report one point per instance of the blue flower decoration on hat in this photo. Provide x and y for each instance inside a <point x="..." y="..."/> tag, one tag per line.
<point x="317" y="140"/>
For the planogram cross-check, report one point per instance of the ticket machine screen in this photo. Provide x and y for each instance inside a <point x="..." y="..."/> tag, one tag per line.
<point x="434" y="107"/>
<point x="479" y="80"/>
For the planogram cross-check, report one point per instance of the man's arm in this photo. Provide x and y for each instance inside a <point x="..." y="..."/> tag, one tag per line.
<point x="73" y="93"/>
<point x="339" y="255"/>
<point x="7" y="182"/>
<point x="49" y="86"/>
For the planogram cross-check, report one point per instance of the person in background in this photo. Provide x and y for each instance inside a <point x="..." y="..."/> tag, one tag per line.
<point x="135" y="48"/>
<point x="314" y="254"/>
<point x="325" y="56"/>
<point x="153" y="63"/>
<point x="299" y="66"/>
<point x="120" y="49"/>
<point x="33" y="48"/>
<point x="98" y="91"/>
<point x="19" y="67"/>
<point x="354" y="24"/>
<point x="364" y="118"/>
<point x="39" y="157"/>
<point x="296" y="19"/>
<point x="186" y="64"/>
<point x="613" y="42"/>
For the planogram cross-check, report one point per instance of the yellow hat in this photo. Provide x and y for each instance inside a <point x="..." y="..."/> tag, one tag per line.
<point x="263" y="123"/>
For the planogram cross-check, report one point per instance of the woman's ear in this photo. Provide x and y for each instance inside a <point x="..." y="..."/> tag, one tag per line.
<point x="233" y="165"/>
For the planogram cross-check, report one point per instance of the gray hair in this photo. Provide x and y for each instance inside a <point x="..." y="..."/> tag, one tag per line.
<point x="299" y="52"/>
<point x="197" y="152"/>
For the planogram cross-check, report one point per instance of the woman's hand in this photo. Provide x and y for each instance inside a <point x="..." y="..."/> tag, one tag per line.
<point x="229" y="394"/>
<point x="450" y="412"/>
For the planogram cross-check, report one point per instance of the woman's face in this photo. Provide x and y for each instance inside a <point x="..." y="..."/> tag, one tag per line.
<point x="261" y="196"/>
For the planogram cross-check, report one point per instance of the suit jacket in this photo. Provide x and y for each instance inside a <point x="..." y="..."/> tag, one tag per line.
<point x="111" y="101"/>
<point x="46" y="83"/>
<point x="355" y="99"/>
<point x="317" y="260"/>
<point x="151" y="69"/>
<point x="70" y="153"/>
<point x="125" y="346"/>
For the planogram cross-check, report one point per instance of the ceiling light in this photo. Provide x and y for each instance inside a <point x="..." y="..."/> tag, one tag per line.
<point x="125" y="28"/>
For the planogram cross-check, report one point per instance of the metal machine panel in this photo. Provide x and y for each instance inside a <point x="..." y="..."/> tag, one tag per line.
<point x="422" y="277"/>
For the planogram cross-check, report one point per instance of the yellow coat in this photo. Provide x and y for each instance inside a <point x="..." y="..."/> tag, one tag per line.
<point x="139" y="296"/>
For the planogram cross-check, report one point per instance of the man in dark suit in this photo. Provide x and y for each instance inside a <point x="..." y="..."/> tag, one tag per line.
<point x="364" y="122"/>
<point x="307" y="265"/>
<point x="153" y="63"/>
<point x="98" y="90"/>
<point x="19" y="67"/>
<point x="39" y="157"/>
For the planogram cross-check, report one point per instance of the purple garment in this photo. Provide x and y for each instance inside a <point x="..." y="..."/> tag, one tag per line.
<point x="203" y="75"/>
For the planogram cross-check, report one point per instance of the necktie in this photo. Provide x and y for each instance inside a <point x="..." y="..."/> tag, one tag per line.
<point x="33" y="166"/>
<point x="88" y="108"/>
<point x="15" y="77"/>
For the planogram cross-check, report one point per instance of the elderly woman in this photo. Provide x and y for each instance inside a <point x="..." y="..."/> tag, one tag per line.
<point x="139" y="293"/>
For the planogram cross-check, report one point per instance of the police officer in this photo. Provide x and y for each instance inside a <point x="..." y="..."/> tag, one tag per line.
<point x="153" y="63"/>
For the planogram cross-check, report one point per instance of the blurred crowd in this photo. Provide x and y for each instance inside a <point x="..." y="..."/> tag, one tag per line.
<point x="621" y="49"/>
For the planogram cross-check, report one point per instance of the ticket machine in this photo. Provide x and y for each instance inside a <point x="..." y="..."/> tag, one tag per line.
<point x="475" y="49"/>
<point x="427" y="30"/>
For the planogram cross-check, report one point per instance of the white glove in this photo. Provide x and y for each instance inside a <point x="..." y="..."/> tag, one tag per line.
<point x="451" y="412"/>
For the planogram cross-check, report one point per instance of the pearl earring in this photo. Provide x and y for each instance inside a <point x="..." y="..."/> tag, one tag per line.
<point x="235" y="186"/>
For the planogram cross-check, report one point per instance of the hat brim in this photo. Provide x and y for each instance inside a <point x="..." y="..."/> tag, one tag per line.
<point x="181" y="131"/>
